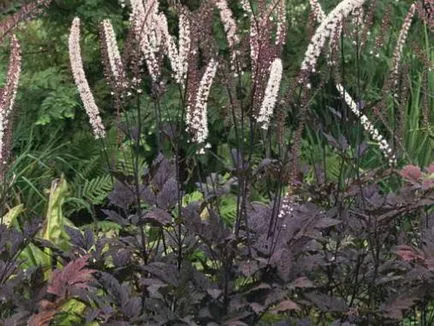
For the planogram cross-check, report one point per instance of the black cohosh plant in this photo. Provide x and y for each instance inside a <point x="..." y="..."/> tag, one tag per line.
<point x="299" y="244"/>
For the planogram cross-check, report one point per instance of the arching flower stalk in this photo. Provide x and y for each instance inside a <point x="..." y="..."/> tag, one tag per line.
<point x="230" y="27"/>
<point x="368" y="126"/>
<point x="325" y="31"/>
<point x="335" y="34"/>
<point x="196" y="116"/>
<point x="7" y="100"/>
<point x="397" y="53"/>
<point x="116" y="71"/>
<point x="81" y="81"/>
<point x="271" y="93"/>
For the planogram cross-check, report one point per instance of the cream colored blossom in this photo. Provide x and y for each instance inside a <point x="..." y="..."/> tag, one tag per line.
<point x="114" y="57"/>
<point x="178" y="57"/>
<point x="281" y="28"/>
<point x="401" y="41"/>
<point x="326" y="30"/>
<point x="368" y="126"/>
<point x="81" y="81"/>
<point x="317" y="10"/>
<point x="144" y="17"/>
<point x="271" y="92"/>
<point x="7" y="97"/>
<point x="228" y="21"/>
<point x="196" y="117"/>
<point x="184" y="47"/>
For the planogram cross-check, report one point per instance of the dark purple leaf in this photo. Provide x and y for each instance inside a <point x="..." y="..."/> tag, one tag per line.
<point x="285" y="306"/>
<point x="168" y="196"/>
<point x="115" y="217"/>
<point x="122" y="195"/>
<point x="147" y="195"/>
<point x="327" y="303"/>
<point x="395" y="308"/>
<point x="158" y="216"/>
<point x="132" y="307"/>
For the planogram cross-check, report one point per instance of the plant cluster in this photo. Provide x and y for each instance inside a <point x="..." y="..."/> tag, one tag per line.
<point x="234" y="188"/>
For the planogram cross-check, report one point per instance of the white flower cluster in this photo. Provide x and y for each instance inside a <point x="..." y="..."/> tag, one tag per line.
<point x="228" y="21"/>
<point x="196" y="117"/>
<point x="246" y="6"/>
<point x="230" y="27"/>
<point x="368" y="126"/>
<point x="114" y="57"/>
<point x="317" y="10"/>
<point x="253" y="36"/>
<point x="401" y="41"/>
<point x="254" y="46"/>
<point x="152" y="31"/>
<point x="178" y="57"/>
<point x="286" y="207"/>
<point x="148" y="35"/>
<point x="281" y="23"/>
<point x="326" y="29"/>
<point x="8" y="94"/>
<point x="184" y="47"/>
<point x="271" y="92"/>
<point x="81" y="81"/>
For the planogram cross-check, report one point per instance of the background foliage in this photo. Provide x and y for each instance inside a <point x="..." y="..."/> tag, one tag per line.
<point x="356" y="250"/>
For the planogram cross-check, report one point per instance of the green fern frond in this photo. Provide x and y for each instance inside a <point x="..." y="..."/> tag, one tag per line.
<point x="96" y="190"/>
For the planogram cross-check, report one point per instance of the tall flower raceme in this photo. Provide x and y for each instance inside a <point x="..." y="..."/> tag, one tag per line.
<point x="81" y="81"/>
<point x="268" y="31"/>
<point x="196" y="116"/>
<point x="262" y="30"/>
<point x="253" y="35"/>
<point x="229" y="23"/>
<point x="281" y="24"/>
<point x="397" y="53"/>
<point x="184" y="46"/>
<point x="326" y="30"/>
<point x="7" y="101"/>
<point x="178" y="57"/>
<point x="111" y="52"/>
<point x="144" y="18"/>
<point x="230" y="27"/>
<point x="271" y="93"/>
<point x="335" y="33"/>
<point x="368" y="126"/>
